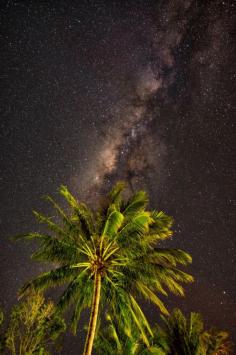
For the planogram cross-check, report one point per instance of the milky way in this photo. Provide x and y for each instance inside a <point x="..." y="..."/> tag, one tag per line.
<point x="129" y="150"/>
<point x="94" y="92"/>
<point x="128" y="132"/>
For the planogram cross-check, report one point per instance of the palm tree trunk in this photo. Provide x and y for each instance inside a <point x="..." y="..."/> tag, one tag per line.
<point x="94" y="315"/>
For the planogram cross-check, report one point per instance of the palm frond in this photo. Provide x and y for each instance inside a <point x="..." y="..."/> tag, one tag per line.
<point x="137" y="203"/>
<point x="115" y="195"/>
<point x="59" y="210"/>
<point x="30" y="236"/>
<point x="73" y="289"/>
<point x="138" y="226"/>
<point x="161" y="220"/>
<point x="63" y="190"/>
<point x="113" y="224"/>
<point x="169" y="256"/>
<point x="58" y="230"/>
<point x="140" y="319"/>
<point x="80" y="210"/>
<point x="83" y="300"/>
<point x="151" y="296"/>
<point x="55" y="250"/>
<point x="52" y="278"/>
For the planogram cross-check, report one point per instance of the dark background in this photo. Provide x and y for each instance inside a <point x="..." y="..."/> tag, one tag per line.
<point x="96" y="91"/>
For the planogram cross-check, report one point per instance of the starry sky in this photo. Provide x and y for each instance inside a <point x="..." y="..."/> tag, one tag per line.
<point x="97" y="91"/>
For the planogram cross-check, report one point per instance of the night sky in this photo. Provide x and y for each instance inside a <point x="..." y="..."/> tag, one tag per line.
<point x="97" y="91"/>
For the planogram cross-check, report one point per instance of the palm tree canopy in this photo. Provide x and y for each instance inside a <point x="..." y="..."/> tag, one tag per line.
<point x="120" y="243"/>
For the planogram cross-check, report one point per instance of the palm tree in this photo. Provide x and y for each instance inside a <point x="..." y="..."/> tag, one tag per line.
<point x="183" y="336"/>
<point x="108" y="258"/>
<point x="216" y="342"/>
<point x="186" y="336"/>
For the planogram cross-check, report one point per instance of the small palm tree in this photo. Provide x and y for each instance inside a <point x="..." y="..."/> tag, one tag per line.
<point x="216" y="342"/>
<point x="108" y="258"/>
<point x="185" y="336"/>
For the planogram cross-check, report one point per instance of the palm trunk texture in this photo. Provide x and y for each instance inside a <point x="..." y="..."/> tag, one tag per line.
<point x="94" y="315"/>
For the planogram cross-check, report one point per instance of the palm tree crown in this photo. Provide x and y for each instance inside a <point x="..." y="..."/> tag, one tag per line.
<point x="108" y="258"/>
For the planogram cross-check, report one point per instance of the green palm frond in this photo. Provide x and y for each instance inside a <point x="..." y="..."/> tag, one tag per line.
<point x="137" y="227"/>
<point x="172" y="256"/>
<point x="113" y="223"/>
<point x="55" y="250"/>
<point x="115" y="195"/>
<point x="126" y="308"/>
<point x="59" y="210"/>
<point x="137" y="309"/>
<point x="48" y="279"/>
<point x="83" y="213"/>
<point x="136" y="204"/>
<point x="150" y="295"/>
<point x="83" y="301"/>
<point x="30" y="236"/>
<point x="115" y="338"/>
<point x="162" y="220"/>
<point x="54" y="227"/>
<point x="63" y="190"/>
